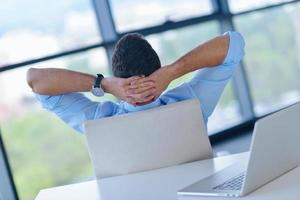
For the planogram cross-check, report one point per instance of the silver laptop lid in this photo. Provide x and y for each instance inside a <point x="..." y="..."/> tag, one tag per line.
<point x="275" y="147"/>
<point x="160" y="137"/>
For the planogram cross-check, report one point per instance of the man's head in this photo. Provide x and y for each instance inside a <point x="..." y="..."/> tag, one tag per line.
<point x="134" y="56"/>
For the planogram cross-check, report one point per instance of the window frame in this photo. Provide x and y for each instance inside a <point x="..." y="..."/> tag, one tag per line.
<point x="8" y="189"/>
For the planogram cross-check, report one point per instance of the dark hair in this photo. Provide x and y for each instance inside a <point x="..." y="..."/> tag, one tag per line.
<point x="134" y="56"/>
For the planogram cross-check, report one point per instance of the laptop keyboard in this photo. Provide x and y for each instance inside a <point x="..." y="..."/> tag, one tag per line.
<point x="234" y="183"/>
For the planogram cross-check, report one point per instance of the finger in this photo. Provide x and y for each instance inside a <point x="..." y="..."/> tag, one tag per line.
<point x="130" y="100"/>
<point x="131" y="79"/>
<point x="149" y="98"/>
<point x="144" y="84"/>
<point x="140" y="97"/>
<point x="140" y="80"/>
<point x="141" y="90"/>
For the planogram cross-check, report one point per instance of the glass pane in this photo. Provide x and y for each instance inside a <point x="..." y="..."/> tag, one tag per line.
<point x="60" y="154"/>
<point x="243" y="5"/>
<point x="33" y="28"/>
<point x="171" y="45"/>
<point x="272" y="56"/>
<point x="227" y="112"/>
<point x="137" y="14"/>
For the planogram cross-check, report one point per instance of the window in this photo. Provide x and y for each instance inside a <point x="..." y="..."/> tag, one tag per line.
<point x="171" y="45"/>
<point x="60" y="155"/>
<point x="244" y="5"/>
<point x="272" y="56"/>
<point x="227" y="113"/>
<point x="33" y="28"/>
<point x="131" y="15"/>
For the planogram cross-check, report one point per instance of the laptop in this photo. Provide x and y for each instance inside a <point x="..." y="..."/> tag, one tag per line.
<point x="274" y="151"/>
<point x="165" y="136"/>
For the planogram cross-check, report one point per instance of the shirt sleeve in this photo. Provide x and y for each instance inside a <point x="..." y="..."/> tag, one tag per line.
<point x="208" y="84"/>
<point x="75" y="109"/>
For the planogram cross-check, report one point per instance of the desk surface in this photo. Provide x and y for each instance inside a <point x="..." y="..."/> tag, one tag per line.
<point x="162" y="184"/>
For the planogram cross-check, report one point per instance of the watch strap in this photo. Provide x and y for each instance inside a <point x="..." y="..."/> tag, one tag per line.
<point x="98" y="80"/>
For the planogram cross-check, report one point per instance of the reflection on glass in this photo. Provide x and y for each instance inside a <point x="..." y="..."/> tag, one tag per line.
<point x="272" y="56"/>
<point x="33" y="28"/>
<point x="173" y="44"/>
<point x="243" y="5"/>
<point x="135" y="14"/>
<point x="42" y="150"/>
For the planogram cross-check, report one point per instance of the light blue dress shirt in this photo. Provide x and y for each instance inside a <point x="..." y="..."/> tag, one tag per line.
<point x="207" y="85"/>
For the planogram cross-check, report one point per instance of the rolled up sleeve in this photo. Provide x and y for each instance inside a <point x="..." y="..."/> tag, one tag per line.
<point x="236" y="50"/>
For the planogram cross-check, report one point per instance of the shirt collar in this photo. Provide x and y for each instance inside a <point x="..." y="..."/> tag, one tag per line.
<point x="131" y="108"/>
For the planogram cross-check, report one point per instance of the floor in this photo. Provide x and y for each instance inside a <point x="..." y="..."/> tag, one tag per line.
<point x="234" y="145"/>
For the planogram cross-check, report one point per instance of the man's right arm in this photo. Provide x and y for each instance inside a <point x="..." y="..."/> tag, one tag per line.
<point x="54" y="81"/>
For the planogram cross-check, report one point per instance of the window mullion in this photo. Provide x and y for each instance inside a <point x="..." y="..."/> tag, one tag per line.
<point x="106" y="25"/>
<point x="240" y="81"/>
<point x="7" y="189"/>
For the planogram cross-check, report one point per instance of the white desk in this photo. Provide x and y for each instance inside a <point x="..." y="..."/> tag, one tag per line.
<point x="162" y="184"/>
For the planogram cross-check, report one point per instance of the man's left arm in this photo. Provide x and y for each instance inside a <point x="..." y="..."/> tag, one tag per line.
<point x="208" y="54"/>
<point x="216" y="58"/>
<point x="208" y="84"/>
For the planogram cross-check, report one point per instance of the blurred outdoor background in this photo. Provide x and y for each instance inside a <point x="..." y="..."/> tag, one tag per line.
<point x="44" y="152"/>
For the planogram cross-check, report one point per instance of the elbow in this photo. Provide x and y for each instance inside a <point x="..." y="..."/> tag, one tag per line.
<point x="33" y="79"/>
<point x="239" y="39"/>
<point x="236" y="48"/>
<point x="242" y="41"/>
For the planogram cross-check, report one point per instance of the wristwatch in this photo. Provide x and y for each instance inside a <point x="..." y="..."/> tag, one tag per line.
<point x="96" y="88"/>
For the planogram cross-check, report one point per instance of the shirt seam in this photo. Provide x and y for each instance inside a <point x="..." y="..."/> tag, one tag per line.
<point x="54" y="106"/>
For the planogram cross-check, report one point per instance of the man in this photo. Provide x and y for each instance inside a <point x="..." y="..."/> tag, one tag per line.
<point x="139" y="80"/>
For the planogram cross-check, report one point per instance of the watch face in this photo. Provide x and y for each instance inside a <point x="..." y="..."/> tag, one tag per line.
<point x="97" y="92"/>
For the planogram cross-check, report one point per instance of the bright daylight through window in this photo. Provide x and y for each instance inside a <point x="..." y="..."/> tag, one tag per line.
<point x="32" y="29"/>
<point x="145" y="13"/>
<point x="279" y="52"/>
